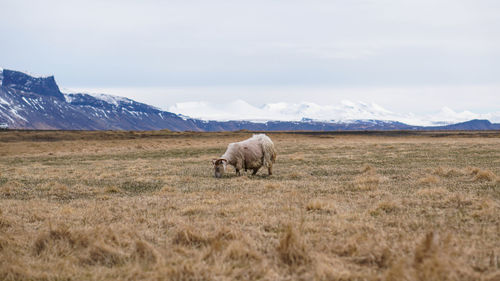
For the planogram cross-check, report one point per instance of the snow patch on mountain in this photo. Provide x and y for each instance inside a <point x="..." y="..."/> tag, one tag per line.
<point x="114" y="100"/>
<point x="14" y="111"/>
<point x="111" y="99"/>
<point x="68" y="98"/>
<point x="2" y="101"/>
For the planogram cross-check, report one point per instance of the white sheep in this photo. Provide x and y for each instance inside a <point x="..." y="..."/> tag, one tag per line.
<point x="251" y="154"/>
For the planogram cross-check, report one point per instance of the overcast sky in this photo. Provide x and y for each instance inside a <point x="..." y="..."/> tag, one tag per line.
<point x="416" y="56"/>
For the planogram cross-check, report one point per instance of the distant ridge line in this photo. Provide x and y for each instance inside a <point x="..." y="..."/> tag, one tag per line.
<point x="36" y="103"/>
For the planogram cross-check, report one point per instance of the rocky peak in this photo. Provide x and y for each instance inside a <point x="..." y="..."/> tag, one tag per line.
<point x="45" y="86"/>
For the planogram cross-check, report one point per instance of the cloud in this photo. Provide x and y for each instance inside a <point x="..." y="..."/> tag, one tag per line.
<point x="186" y="43"/>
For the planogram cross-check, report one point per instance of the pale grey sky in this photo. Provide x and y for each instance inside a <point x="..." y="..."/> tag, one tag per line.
<point x="445" y="51"/>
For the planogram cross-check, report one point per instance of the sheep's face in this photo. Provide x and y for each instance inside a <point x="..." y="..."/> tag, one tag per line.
<point x="219" y="167"/>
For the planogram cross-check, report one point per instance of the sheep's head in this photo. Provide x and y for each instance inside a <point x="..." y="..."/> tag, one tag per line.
<point x="219" y="167"/>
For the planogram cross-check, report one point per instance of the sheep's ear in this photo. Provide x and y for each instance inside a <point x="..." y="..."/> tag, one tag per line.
<point x="223" y="160"/>
<point x="214" y="161"/>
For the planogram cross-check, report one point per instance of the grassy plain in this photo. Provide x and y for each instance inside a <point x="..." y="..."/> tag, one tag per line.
<point x="145" y="206"/>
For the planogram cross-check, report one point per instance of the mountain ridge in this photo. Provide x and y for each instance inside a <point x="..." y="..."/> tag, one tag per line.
<point x="28" y="102"/>
<point x="344" y="112"/>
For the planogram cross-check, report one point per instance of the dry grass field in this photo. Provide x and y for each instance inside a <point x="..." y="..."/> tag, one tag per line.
<point x="145" y="206"/>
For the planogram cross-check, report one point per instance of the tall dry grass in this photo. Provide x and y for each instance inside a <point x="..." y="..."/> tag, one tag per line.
<point x="145" y="206"/>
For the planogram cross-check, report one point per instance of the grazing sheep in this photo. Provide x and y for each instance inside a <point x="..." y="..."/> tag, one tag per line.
<point x="251" y="154"/>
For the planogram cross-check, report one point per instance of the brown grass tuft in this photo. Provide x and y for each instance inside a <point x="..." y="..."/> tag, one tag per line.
<point x="292" y="248"/>
<point x="472" y="170"/>
<point x="4" y="222"/>
<point x="112" y="189"/>
<point x="365" y="249"/>
<point x="485" y="175"/>
<point x="447" y="172"/>
<point x="385" y="207"/>
<point x="318" y="205"/>
<point x="59" y="188"/>
<point x="315" y="205"/>
<point x="240" y="251"/>
<point x="433" y="192"/>
<point x="368" y="169"/>
<point x="273" y="186"/>
<point x="185" y="271"/>
<point x="167" y="189"/>
<point x="428" y="180"/>
<point x="296" y="176"/>
<point x="190" y="237"/>
<point x="367" y="182"/>
<point x="459" y="201"/>
<point x="144" y="253"/>
<point x="46" y="240"/>
<point x="59" y="242"/>
<point x="427" y="248"/>
<point x="481" y="174"/>
<point x="101" y="254"/>
<point x="14" y="272"/>
<point x="10" y="188"/>
<point x="434" y="259"/>
<point x="486" y="210"/>
<point x="4" y="243"/>
<point x="226" y="234"/>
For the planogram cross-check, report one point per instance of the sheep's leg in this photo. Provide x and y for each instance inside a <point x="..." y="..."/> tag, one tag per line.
<point x="255" y="171"/>
<point x="238" y="167"/>
<point x="270" y="170"/>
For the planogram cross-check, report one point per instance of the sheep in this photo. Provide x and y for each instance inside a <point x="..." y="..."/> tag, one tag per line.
<point x="251" y="154"/>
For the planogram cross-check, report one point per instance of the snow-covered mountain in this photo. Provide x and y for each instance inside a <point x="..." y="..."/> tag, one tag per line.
<point x="36" y="102"/>
<point x="241" y="110"/>
<point x="344" y="112"/>
<point x="29" y="102"/>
